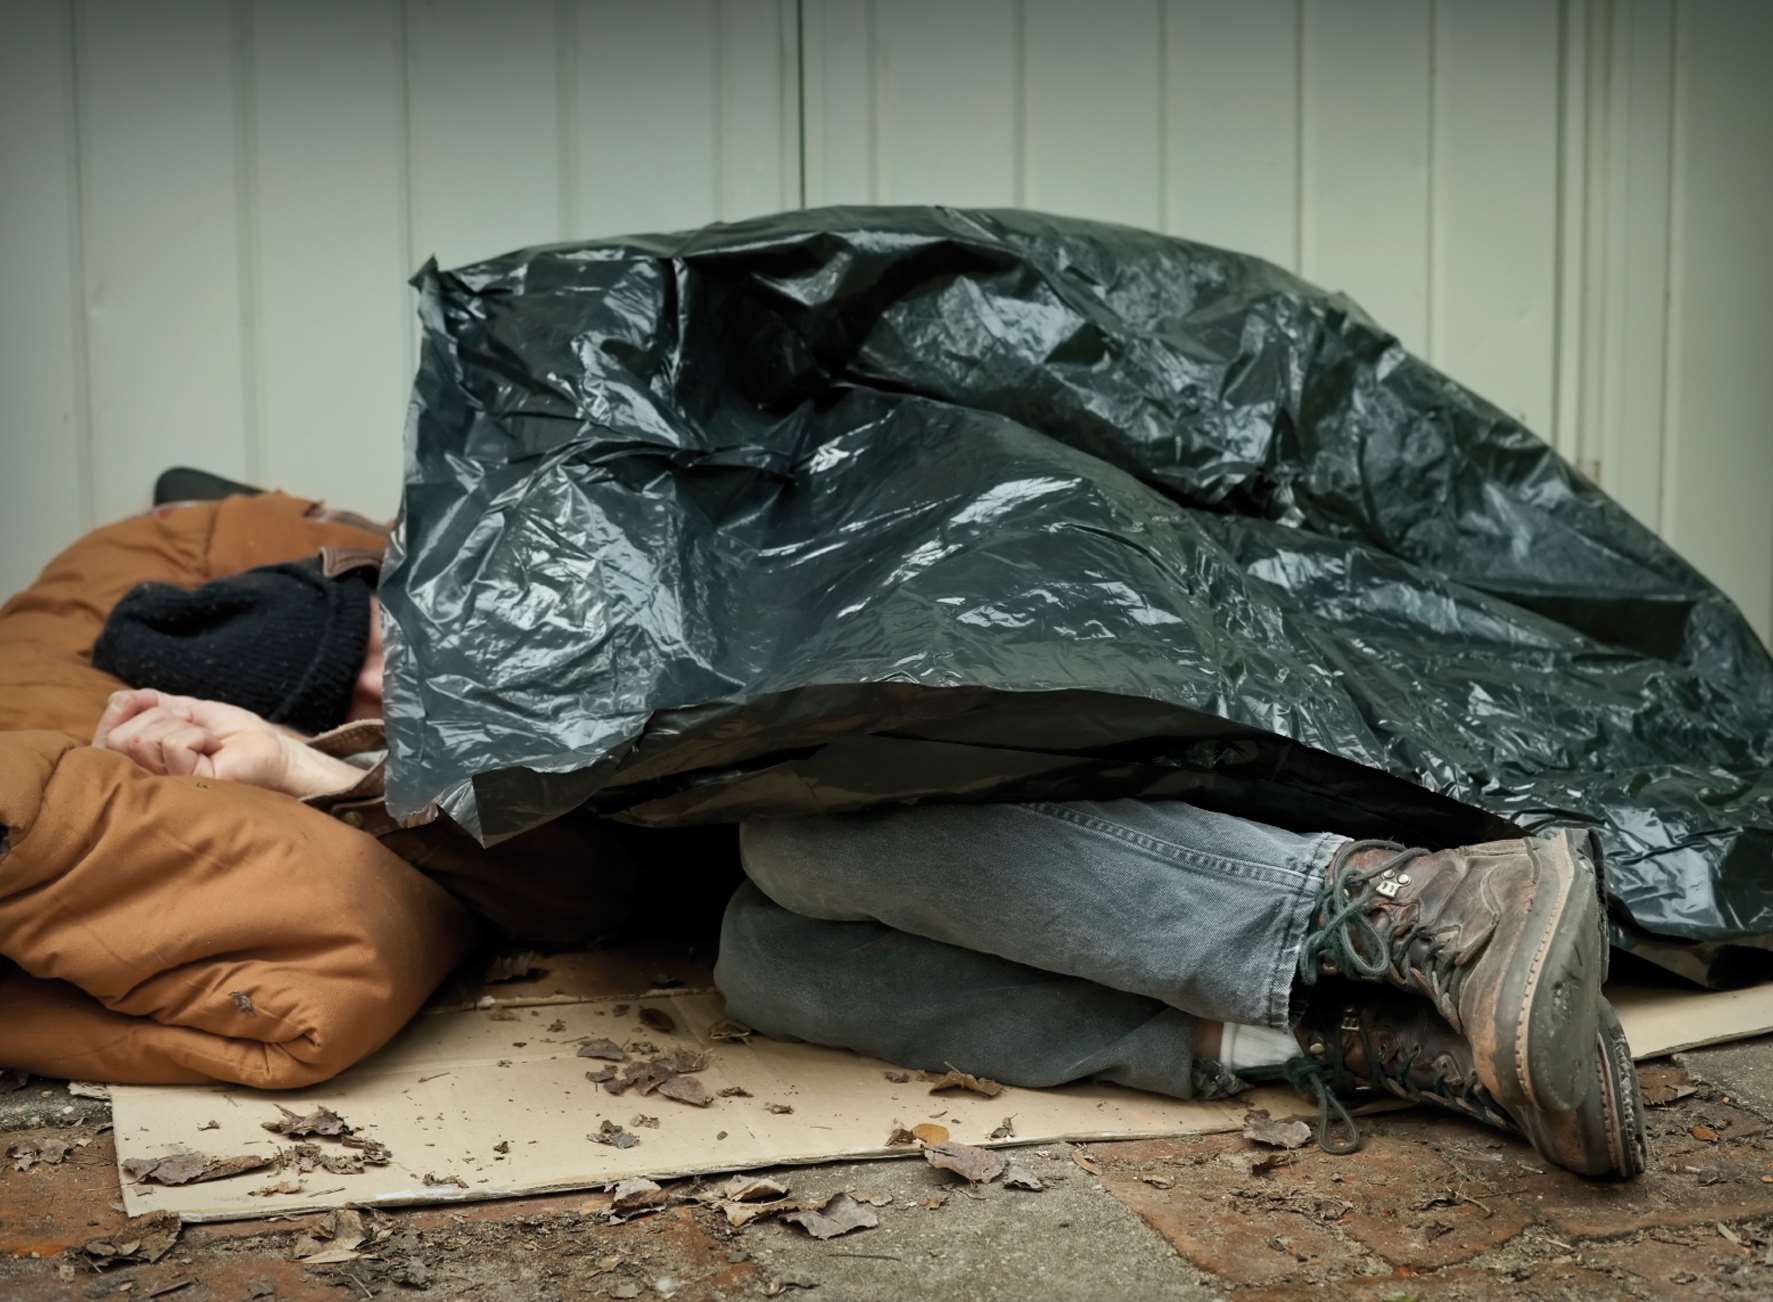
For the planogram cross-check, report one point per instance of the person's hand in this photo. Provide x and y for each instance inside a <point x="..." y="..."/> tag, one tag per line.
<point x="183" y="736"/>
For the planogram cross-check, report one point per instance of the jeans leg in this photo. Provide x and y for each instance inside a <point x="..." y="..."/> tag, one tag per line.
<point x="921" y="1003"/>
<point x="1201" y="911"/>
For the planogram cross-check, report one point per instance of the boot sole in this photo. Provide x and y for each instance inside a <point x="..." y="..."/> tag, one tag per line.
<point x="1611" y="1141"/>
<point x="1545" y="1058"/>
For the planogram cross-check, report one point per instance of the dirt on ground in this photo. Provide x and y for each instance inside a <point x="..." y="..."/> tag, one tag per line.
<point x="1431" y="1207"/>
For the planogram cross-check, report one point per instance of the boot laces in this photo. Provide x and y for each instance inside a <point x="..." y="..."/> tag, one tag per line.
<point x="1356" y="938"/>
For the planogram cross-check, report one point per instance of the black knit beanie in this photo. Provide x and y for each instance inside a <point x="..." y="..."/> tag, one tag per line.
<point x="283" y="641"/>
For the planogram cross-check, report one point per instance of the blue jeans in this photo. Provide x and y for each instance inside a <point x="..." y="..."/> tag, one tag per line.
<point x="1037" y="944"/>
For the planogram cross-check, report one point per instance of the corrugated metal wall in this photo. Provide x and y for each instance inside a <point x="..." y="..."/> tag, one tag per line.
<point x="208" y="208"/>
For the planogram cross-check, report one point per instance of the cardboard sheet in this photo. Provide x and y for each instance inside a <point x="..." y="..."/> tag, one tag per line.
<point x="465" y="1079"/>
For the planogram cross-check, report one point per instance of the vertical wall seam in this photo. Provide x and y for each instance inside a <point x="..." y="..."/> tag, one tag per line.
<point x="718" y="126"/>
<point x="406" y="202"/>
<point x="1561" y="216"/>
<point x="86" y="491"/>
<point x="1019" y="103"/>
<point x="566" y="112"/>
<point x="1668" y="467"/>
<point x="1431" y="251"/>
<point x="1163" y="117"/>
<point x="800" y="71"/>
<point x="246" y="232"/>
<point x="876" y="72"/>
<point x="1301" y="141"/>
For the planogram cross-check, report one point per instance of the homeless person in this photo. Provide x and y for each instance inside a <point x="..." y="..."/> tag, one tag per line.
<point x="273" y="678"/>
<point x="1150" y="943"/>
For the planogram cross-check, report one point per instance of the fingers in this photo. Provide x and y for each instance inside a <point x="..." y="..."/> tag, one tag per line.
<point x="162" y="740"/>
<point x="186" y="751"/>
<point x="122" y="707"/>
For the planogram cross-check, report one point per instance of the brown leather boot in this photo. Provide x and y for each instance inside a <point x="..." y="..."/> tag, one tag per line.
<point x="1395" y="1044"/>
<point x="1506" y="939"/>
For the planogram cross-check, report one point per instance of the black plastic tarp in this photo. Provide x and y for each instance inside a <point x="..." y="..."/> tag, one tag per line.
<point x="851" y="506"/>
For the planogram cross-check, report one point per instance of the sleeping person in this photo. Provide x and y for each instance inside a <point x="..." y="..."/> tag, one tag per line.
<point x="1152" y="943"/>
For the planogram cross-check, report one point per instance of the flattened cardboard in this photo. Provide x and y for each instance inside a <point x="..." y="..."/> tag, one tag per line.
<point x="465" y="1079"/>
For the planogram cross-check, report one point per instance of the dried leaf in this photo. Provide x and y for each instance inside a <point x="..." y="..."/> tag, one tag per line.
<point x="739" y="1215"/>
<point x="735" y="1092"/>
<point x="897" y="1077"/>
<point x="191" y="1168"/>
<point x="38" y="1152"/>
<point x="613" y="1135"/>
<point x="1261" y="1128"/>
<point x="934" y="1202"/>
<point x="1085" y="1161"/>
<point x="1662" y="1083"/>
<point x="727" y="1030"/>
<point x="1704" y="1134"/>
<point x="974" y="1165"/>
<point x="633" y="1196"/>
<point x="1255" y="1162"/>
<point x="503" y="1146"/>
<point x="1159" y="1181"/>
<point x="686" y="1089"/>
<point x="85" y="1089"/>
<point x="839" y="1215"/>
<point x="309" y="1157"/>
<point x="642" y="1077"/>
<point x="753" y="1189"/>
<point x="685" y="1061"/>
<point x="1006" y="1130"/>
<point x="373" y="1151"/>
<point x="437" y="1181"/>
<point x="601" y="1075"/>
<point x="780" y="1109"/>
<point x="955" y="1079"/>
<point x="603" y="1049"/>
<point x="522" y="965"/>
<point x="899" y="1136"/>
<point x="929" y="1133"/>
<point x="1017" y="1176"/>
<point x="153" y="1239"/>
<point x="643" y="1121"/>
<point x="1662" y="1094"/>
<point x="281" y="1187"/>
<point x="657" y="1019"/>
<point x="321" y="1121"/>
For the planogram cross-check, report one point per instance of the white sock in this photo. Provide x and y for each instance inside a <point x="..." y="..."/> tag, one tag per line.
<point x="1242" y="1046"/>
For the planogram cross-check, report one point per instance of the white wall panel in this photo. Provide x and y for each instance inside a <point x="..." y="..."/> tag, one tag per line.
<point x="937" y="65"/>
<point x="212" y="206"/>
<point x="488" y="90"/>
<point x="328" y="253"/>
<point x="44" y="498"/>
<point x="1365" y="88"/>
<point x="1093" y="103"/>
<point x="680" y="111"/>
<point x="1718" y="456"/>
<point x="1232" y="125"/>
<point x="1493" y="228"/>
<point x="160" y="139"/>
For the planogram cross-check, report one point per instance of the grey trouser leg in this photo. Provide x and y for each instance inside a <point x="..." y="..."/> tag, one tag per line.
<point x="1200" y="911"/>
<point x="923" y="1004"/>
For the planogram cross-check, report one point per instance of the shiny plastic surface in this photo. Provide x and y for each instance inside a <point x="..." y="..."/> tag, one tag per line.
<point x="850" y="506"/>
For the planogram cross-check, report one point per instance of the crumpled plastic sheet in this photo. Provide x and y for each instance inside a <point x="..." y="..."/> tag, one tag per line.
<point x="852" y="506"/>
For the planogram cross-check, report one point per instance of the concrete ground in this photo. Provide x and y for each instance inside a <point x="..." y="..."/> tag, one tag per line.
<point x="1431" y="1208"/>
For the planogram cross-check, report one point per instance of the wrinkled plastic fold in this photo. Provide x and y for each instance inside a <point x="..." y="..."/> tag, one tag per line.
<point x="838" y="508"/>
